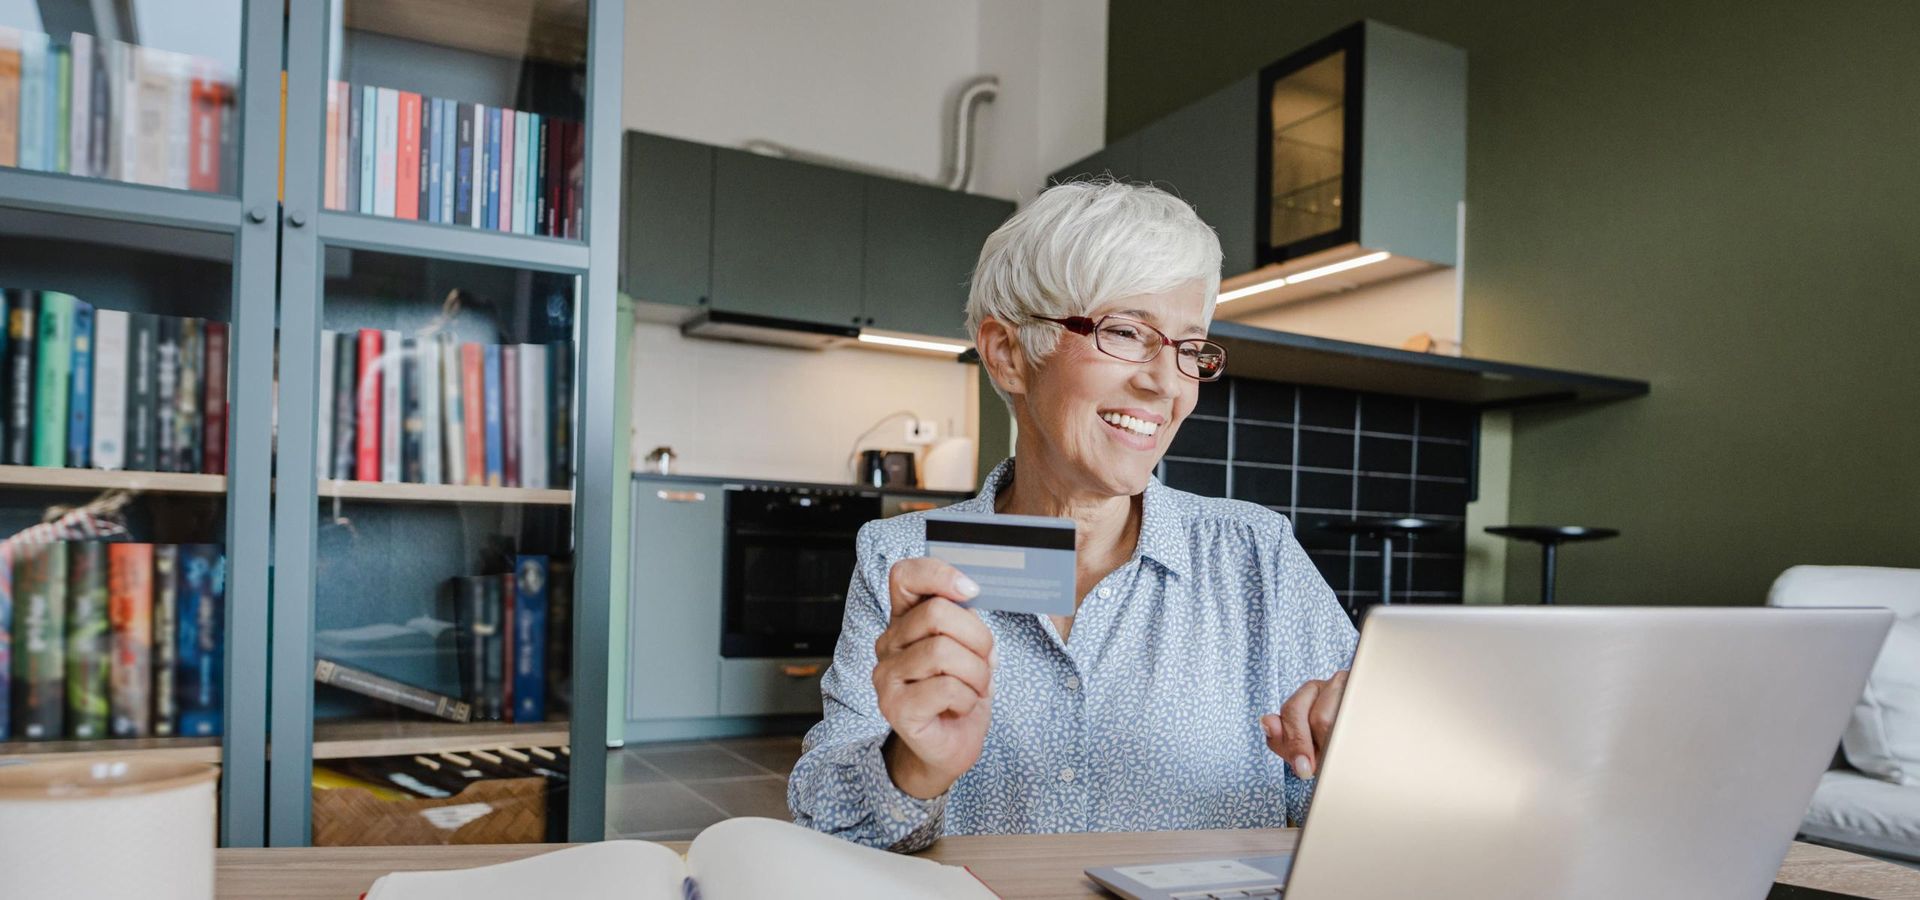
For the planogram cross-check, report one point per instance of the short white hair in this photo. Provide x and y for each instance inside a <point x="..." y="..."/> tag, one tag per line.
<point x="1081" y="244"/>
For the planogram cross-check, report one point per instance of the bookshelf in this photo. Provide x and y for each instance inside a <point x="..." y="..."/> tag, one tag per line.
<point x="43" y="478"/>
<point x="176" y="749"/>
<point x="443" y="493"/>
<point x="393" y="738"/>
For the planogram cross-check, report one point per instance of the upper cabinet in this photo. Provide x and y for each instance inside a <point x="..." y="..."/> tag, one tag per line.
<point x="1204" y="152"/>
<point x="713" y="227"/>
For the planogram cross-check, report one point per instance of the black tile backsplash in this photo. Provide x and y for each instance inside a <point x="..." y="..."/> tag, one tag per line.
<point x="1323" y="454"/>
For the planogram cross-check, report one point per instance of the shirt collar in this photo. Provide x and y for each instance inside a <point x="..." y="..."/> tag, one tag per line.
<point x="1161" y="537"/>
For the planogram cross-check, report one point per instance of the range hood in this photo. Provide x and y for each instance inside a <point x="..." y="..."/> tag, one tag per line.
<point x="753" y="329"/>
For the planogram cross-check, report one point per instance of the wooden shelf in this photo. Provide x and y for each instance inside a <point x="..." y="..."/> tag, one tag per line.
<point x="340" y="740"/>
<point x="546" y="30"/>
<point x="172" y="749"/>
<point x="457" y="243"/>
<point x="58" y="479"/>
<point x="400" y="492"/>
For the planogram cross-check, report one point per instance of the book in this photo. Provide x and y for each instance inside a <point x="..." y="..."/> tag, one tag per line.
<point x="346" y="406"/>
<point x="366" y="427"/>
<point x="530" y="638"/>
<point x="507" y="596"/>
<point x="510" y="414"/>
<point x="449" y="137"/>
<point x="463" y="164"/>
<point x="323" y="406"/>
<point x="427" y="361"/>
<point x="179" y="119"/>
<point x="89" y="653"/>
<point x="492" y="170"/>
<point x="495" y="460"/>
<point x="559" y="655"/>
<point x="9" y="112"/>
<point x="386" y="151"/>
<point x="166" y="638"/>
<point x="524" y="137"/>
<point x="560" y="413"/>
<point x="130" y="614"/>
<point x="54" y="358"/>
<point x="473" y="413"/>
<point x="109" y="425"/>
<point x="33" y="101"/>
<point x="166" y="407"/>
<point x="369" y="145"/>
<point x="543" y="210"/>
<point x="493" y="691"/>
<point x="202" y="596"/>
<point x="79" y="113"/>
<point x="367" y="684"/>
<point x="80" y="387"/>
<point x="40" y="625"/>
<point x="734" y="859"/>
<point x="188" y="442"/>
<point x="331" y="189"/>
<point x="59" y="105"/>
<point x="22" y="340"/>
<point x="406" y="173"/>
<point x="533" y="416"/>
<point x="430" y="162"/>
<point x="507" y="148"/>
<point x="100" y="109"/>
<point x="412" y="423"/>
<point x="207" y="122"/>
<point x="392" y="364"/>
<point x="214" y="439"/>
<point x="6" y="630"/>
<point x="472" y="630"/>
<point x="453" y="430"/>
<point x="355" y="112"/>
<point x="143" y="373"/>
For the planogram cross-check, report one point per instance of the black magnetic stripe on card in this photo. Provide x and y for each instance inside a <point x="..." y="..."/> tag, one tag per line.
<point x="1039" y="537"/>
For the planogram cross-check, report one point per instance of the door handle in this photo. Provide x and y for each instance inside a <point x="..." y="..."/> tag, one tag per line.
<point x="681" y="496"/>
<point x="806" y="671"/>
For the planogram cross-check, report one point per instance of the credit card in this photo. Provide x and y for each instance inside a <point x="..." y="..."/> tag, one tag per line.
<point x="1022" y="563"/>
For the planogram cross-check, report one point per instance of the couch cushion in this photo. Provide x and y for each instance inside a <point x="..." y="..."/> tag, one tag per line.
<point x="1883" y="734"/>
<point x="1856" y="812"/>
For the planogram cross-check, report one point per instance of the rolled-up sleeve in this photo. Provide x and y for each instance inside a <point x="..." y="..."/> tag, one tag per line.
<point x="1311" y="634"/>
<point x="840" y="785"/>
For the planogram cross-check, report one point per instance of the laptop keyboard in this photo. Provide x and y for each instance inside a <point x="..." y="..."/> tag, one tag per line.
<point x="1245" y="893"/>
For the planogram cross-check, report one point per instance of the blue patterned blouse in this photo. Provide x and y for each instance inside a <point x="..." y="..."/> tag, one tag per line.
<point x="1147" y="719"/>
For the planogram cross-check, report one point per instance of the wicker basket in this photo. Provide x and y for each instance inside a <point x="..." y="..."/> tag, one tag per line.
<point x="495" y="811"/>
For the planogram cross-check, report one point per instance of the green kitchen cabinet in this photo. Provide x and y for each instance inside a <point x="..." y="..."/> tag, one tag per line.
<point x="921" y="245"/>
<point x="673" y="620"/>
<point x="1120" y="159"/>
<point x="1205" y="153"/>
<point x="667" y="208"/>
<point x="787" y="238"/>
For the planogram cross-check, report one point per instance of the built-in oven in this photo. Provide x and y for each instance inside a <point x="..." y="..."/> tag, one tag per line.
<point x="789" y="557"/>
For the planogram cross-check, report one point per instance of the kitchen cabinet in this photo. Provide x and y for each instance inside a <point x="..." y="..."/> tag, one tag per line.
<point x="667" y="202"/>
<point x="921" y="245"/>
<point x="1121" y="159"/>
<point x="787" y="238"/>
<point x="673" y="648"/>
<point x="1205" y="153"/>
<point x="766" y="687"/>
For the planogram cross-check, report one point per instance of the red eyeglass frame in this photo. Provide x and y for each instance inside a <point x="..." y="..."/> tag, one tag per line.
<point x="1084" y="326"/>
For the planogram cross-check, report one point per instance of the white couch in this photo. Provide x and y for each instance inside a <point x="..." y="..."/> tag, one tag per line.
<point x="1875" y="813"/>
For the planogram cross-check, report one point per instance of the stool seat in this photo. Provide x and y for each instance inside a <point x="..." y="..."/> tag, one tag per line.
<point x="1550" y="537"/>
<point x="1384" y="529"/>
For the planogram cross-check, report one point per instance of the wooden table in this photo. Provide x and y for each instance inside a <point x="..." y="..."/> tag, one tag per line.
<point x="1015" y="866"/>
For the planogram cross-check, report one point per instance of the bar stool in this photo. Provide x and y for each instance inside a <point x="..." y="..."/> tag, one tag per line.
<point x="1384" y="529"/>
<point x="1550" y="537"/>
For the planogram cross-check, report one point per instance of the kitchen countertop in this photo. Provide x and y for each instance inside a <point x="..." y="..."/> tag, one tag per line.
<point x="688" y="478"/>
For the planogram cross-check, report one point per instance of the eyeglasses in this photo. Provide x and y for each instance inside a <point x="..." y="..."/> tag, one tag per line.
<point x="1136" y="341"/>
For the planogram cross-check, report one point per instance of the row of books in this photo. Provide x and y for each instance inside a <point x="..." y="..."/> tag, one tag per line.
<point x="433" y="411"/>
<point x="398" y="153"/>
<point x="513" y="632"/>
<point x="110" y="639"/>
<point x="109" y="389"/>
<point x="110" y="109"/>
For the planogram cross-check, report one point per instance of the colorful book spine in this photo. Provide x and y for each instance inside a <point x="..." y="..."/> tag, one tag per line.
<point x="413" y="422"/>
<point x="507" y="592"/>
<point x="9" y="110"/>
<point x="406" y="184"/>
<point x="533" y="416"/>
<point x="473" y="397"/>
<point x="323" y="415"/>
<point x="507" y="147"/>
<point x="202" y="601"/>
<point x="166" y="638"/>
<point x="80" y="388"/>
<point x="51" y="390"/>
<point x="369" y="146"/>
<point x="523" y="137"/>
<point x="428" y="377"/>
<point x="6" y="640"/>
<point x="109" y="425"/>
<point x="188" y="441"/>
<point x="453" y="429"/>
<point x="510" y="414"/>
<point x="79" y="112"/>
<point x="473" y="631"/>
<point x="89" y="639"/>
<point x="493" y="169"/>
<point x="430" y="180"/>
<point x="392" y="364"/>
<point x="495" y="458"/>
<point x="559" y="633"/>
<point x="59" y="105"/>
<point x="367" y="422"/>
<point x="143" y="373"/>
<point x="100" y="108"/>
<point x="530" y="639"/>
<point x="130" y="613"/>
<point x="179" y="128"/>
<point x="354" y="114"/>
<point x="379" y="687"/>
<point x="463" y="164"/>
<point x="495" y="691"/>
<point x="40" y="610"/>
<point x="22" y="340"/>
<point x="346" y="405"/>
<point x="166" y="409"/>
<point x="560" y="413"/>
<point x="210" y="98"/>
<point x="543" y="210"/>
<point x="214" y="440"/>
<point x="33" y="101"/>
<point x="330" y="187"/>
<point x="449" y="139"/>
<point x="386" y="152"/>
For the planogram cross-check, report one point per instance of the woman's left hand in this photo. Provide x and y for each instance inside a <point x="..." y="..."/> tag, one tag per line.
<point x="1299" y="731"/>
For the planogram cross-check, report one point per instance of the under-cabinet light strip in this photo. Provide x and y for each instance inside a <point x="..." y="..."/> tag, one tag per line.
<point x="1298" y="277"/>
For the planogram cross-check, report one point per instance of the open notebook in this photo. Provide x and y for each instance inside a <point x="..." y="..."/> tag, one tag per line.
<point x="738" y="859"/>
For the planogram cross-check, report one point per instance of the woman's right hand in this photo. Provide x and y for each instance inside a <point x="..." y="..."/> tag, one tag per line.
<point x="933" y="677"/>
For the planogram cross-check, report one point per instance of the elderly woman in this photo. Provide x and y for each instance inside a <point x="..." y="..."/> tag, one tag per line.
<point x="1195" y="683"/>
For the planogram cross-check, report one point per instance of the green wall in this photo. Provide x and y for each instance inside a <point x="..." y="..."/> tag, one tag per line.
<point x="1720" y="198"/>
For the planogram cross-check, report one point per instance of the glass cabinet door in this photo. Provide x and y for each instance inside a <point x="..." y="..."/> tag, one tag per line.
<point x="143" y="92"/>
<point x="1310" y="150"/>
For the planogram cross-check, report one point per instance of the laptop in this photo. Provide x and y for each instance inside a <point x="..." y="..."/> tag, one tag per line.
<point x="1514" y="753"/>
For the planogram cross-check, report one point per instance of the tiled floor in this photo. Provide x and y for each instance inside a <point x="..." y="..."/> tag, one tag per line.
<point x="669" y="791"/>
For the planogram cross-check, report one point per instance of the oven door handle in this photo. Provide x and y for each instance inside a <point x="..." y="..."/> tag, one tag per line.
<point x="796" y="671"/>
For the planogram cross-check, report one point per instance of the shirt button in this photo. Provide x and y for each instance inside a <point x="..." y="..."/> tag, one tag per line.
<point x="1106" y="592"/>
<point x="1073" y="682"/>
<point x="1066" y="774"/>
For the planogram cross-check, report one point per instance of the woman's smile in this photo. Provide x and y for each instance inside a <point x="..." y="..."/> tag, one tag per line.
<point x="1134" y="428"/>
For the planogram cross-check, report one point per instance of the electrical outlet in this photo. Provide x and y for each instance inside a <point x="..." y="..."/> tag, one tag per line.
<point x="920" y="434"/>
